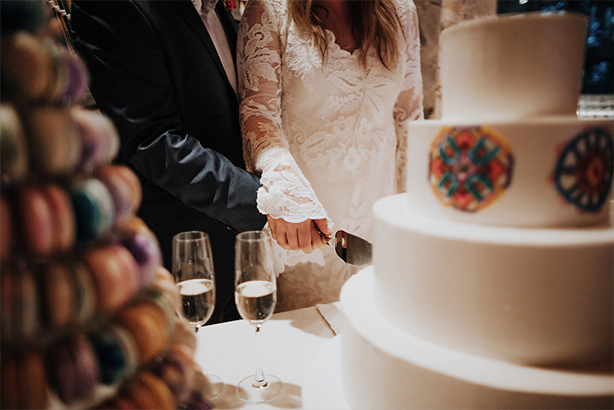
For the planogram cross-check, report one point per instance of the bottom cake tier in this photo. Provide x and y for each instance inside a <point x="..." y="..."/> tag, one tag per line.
<point x="384" y="367"/>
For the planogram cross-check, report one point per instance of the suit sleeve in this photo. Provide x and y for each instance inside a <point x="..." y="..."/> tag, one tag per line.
<point x="132" y="83"/>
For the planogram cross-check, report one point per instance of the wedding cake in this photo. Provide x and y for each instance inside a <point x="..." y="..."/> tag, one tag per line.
<point x="492" y="277"/>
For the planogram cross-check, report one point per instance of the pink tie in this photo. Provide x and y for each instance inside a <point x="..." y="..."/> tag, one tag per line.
<point x="204" y="6"/>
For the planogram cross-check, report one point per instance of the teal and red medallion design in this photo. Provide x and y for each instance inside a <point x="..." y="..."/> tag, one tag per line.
<point x="470" y="167"/>
<point x="583" y="171"/>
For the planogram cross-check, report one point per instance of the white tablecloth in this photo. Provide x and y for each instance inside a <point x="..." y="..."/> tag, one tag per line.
<point x="288" y="342"/>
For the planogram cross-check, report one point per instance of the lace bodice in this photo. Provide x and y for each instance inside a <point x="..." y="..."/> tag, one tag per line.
<point x="327" y="137"/>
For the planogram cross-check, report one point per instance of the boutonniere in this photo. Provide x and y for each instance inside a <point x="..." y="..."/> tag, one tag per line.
<point x="231" y="4"/>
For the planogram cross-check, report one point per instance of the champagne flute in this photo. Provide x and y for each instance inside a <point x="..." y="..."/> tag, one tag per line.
<point x="255" y="297"/>
<point x="195" y="279"/>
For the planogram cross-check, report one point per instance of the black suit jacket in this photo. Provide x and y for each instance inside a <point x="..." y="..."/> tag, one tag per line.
<point x="155" y="72"/>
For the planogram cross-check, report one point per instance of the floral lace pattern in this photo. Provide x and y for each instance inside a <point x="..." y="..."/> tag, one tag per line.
<point x="332" y="141"/>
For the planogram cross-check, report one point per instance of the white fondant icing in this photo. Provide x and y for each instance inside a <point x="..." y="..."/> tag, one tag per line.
<point x="512" y="66"/>
<point x="384" y="367"/>
<point x="540" y="296"/>
<point x="531" y="199"/>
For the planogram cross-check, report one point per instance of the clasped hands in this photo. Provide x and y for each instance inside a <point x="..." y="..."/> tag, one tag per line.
<point x="306" y="236"/>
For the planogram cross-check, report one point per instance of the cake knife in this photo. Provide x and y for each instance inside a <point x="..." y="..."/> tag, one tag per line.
<point x="350" y="248"/>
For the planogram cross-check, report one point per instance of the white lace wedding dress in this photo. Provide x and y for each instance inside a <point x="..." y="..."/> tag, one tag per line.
<point x="327" y="137"/>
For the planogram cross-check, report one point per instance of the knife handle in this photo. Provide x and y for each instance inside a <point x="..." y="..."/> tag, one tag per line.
<point x="329" y="240"/>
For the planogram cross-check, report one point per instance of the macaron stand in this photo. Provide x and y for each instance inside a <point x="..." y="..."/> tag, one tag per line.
<point x="87" y="311"/>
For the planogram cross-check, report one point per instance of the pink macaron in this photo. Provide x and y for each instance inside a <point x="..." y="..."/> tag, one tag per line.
<point x="125" y="189"/>
<point x="46" y="219"/>
<point x="35" y="220"/>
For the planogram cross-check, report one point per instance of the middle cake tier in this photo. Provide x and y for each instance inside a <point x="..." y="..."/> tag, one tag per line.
<point x="539" y="172"/>
<point x="532" y="296"/>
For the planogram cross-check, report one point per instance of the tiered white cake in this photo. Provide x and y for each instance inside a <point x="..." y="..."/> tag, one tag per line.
<point x="492" y="282"/>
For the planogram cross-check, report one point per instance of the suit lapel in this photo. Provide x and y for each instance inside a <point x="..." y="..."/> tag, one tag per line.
<point x="191" y="17"/>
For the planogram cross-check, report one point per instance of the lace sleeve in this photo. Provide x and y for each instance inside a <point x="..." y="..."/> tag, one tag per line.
<point x="409" y="105"/>
<point x="285" y="192"/>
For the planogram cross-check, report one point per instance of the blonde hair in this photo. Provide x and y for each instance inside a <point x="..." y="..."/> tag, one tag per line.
<point x="374" y="23"/>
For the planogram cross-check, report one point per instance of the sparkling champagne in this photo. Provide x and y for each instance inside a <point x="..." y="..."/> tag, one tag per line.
<point x="255" y="300"/>
<point x="198" y="299"/>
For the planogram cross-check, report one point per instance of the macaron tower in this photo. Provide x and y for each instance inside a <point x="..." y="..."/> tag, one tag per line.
<point x="87" y="312"/>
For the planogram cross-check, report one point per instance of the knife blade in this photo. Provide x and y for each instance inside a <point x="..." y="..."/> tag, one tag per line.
<point x="350" y="248"/>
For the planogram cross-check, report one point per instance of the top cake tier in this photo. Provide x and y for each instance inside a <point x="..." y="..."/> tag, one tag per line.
<point x="512" y="66"/>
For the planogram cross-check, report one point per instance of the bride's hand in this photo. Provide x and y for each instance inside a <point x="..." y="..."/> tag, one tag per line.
<point x="302" y="235"/>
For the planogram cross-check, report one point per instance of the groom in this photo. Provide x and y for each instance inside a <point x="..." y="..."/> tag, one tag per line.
<point x="164" y="72"/>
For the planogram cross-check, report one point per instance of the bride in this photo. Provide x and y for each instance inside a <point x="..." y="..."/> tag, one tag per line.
<point x="327" y="88"/>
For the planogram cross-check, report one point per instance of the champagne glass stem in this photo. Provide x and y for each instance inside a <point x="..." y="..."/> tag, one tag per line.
<point x="259" y="380"/>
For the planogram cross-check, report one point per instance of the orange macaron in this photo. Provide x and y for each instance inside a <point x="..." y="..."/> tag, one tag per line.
<point x="147" y="323"/>
<point x="24" y="383"/>
<point x="150" y="392"/>
<point x="115" y="274"/>
<point x="58" y="296"/>
<point x="26" y="67"/>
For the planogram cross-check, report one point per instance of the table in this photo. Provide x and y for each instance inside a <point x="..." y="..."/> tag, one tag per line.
<point x="288" y="342"/>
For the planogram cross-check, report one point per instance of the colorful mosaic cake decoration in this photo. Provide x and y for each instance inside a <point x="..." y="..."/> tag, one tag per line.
<point x="470" y="167"/>
<point x="583" y="171"/>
